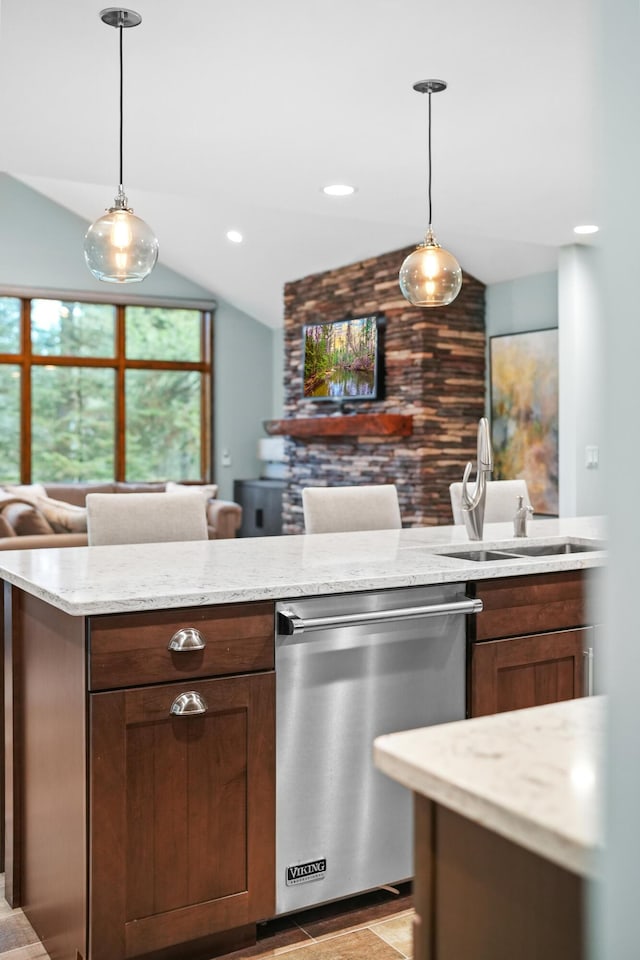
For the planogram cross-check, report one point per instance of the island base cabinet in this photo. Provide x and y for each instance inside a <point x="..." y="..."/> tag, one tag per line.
<point x="478" y="896"/>
<point x="181" y="817"/>
<point x="531" y="644"/>
<point x="527" y="671"/>
<point x="140" y="790"/>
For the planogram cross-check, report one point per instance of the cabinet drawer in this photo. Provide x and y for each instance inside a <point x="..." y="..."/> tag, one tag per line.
<point x="520" y="605"/>
<point x="132" y="649"/>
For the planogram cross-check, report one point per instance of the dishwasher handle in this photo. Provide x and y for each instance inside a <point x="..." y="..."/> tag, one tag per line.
<point x="289" y="623"/>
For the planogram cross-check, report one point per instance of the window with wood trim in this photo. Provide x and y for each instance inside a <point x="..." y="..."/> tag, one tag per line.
<point x="99" y="391"/>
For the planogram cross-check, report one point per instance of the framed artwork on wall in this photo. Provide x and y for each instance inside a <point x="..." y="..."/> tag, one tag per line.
<point x="524" y="413"/>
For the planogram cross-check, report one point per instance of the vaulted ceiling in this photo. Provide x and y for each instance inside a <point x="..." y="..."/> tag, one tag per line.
<point x="237" y="113"/>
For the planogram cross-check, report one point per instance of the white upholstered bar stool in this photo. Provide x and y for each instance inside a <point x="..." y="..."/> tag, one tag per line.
<point x="501" y="503"/>
<point x="145" y="517"/>
<point x="340" y="509"/>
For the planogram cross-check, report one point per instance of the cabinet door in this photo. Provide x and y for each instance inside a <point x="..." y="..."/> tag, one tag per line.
<point x="182" y="825"/>
<point x="527" y="671"/>
<point x="261" y="502"/>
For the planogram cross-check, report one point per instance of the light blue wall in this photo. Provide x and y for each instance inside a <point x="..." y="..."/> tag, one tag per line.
<point x="278" y="373"/>
<point x="41" y="248"/>
<point x="517" y="306"/>
<point x="41" y="245"/>
<point x="244" y="378"/>
<point x="530" y="303"/>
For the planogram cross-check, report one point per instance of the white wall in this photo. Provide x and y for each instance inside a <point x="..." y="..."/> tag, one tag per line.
<point x="581" y="369"/>
<point x="41" y="247"/>
<point x="617" y="91"/>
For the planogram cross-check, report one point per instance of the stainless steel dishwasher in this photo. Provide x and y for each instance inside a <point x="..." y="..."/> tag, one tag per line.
<point x="349" y="668"/>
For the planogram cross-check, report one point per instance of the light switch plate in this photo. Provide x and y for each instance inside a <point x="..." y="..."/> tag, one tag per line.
<point x="592" y="457"/>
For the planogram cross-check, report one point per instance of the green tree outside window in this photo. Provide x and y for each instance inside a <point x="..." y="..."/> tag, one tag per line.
<point x="91" y="367"/>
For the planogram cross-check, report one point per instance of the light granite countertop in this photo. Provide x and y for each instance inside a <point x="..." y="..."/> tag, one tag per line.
<point x="532" y="776"/>
<point x="114" y="579"/>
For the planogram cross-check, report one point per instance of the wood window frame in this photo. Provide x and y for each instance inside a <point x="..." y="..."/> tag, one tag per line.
<point x="26" y="360"/>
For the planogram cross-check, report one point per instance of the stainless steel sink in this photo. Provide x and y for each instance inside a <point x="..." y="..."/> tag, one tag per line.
<point x="526" y="550"/>
<point x="554" y="549"/>
<point x="480" y="556"/>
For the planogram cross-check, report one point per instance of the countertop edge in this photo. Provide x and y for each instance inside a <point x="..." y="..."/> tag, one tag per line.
<point x="535" y="837"/>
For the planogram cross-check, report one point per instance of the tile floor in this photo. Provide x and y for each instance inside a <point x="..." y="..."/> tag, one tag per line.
<point x="17" y="939"/>
<point x="374" y="926"/>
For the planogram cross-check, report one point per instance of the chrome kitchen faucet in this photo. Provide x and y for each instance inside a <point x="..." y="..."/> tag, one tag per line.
<point x="473" y="504"/>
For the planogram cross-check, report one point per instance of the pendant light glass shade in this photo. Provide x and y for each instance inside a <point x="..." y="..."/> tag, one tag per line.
<point x="119" y="247"/>
<point x="430" y="276"/>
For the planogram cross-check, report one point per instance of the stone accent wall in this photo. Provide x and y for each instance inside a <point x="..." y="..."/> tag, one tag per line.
<point x="434" y="370"/>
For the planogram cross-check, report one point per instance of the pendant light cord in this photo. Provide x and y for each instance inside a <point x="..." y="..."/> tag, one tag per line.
<point x="429" y="154"/>
<point x="121" y="102"/>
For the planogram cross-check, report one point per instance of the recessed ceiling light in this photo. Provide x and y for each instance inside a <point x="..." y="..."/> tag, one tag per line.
<point x="338" y="190"/>
<point x="235" y="236"/>
<point x="586" y="228"/>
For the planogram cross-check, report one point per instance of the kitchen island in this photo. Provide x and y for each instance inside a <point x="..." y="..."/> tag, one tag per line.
<point x="507" y="821"/>
<point x="105" y="657"/>
<point x="117" y="579"/>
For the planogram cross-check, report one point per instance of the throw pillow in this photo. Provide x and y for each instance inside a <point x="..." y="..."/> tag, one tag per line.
<point x="26" y="519"/>
<point x="6" y="530"/>
<point x="28" y="490"/>
<point x="208" y="490"/>
<point x="64" y="517"/>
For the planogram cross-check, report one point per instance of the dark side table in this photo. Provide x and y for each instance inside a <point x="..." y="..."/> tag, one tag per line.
<point x="261" y="502"/>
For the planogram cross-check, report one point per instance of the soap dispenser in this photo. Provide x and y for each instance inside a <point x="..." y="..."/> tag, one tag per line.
<point x="520" y="519"/>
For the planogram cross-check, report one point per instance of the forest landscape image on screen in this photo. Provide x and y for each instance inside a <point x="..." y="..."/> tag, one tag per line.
<point x="341" y="359"/>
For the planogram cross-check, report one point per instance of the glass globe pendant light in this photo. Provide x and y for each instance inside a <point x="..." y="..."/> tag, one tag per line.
<point x="430" y="276"/>
<point x="119" y="247"/>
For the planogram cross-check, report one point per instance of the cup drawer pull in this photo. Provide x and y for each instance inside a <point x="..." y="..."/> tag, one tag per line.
<point x="188" y="704"/>
<point x="187" y="639"/>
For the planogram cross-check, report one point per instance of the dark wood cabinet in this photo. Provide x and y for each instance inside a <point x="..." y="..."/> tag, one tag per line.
<point x="181" y="814"/>
<point x="261" y="502"/>
<point x="479" y="896"/>
<point x="527" y="671"/>
<point x="137" y="830"/>
<point x="531" y="644"/>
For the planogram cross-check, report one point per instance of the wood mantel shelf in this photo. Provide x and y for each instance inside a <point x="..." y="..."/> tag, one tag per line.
<point x="350" y="425"/>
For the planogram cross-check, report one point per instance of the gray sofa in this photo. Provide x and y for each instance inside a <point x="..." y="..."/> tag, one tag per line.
<point x="27" y="521"/>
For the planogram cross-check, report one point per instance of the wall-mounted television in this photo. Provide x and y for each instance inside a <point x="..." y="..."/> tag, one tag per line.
<point x="343" y="359"/>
